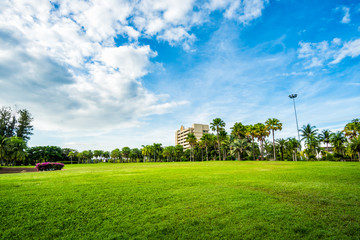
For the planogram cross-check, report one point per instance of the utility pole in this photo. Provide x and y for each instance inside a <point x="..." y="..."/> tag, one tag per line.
<point x="293" y="96"/>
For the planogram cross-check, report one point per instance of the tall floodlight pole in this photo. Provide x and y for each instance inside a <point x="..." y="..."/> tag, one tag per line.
<point x="293" y="96"/>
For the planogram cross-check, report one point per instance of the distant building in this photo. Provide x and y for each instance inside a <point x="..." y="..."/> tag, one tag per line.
<point x="197" y="129"/>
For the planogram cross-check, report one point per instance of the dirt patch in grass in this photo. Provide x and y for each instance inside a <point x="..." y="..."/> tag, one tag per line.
<point x="17" y="170"/>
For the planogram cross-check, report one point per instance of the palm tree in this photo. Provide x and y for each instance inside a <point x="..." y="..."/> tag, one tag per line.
<point x="217" y="125"/>
<point x="239" y="130"/>
<point x="191" y="139"/>
<point x="206" y="139"/>
<point x="239" y="146"/>
<point x="261" y="132"/>
<point x="251" y="134"/>
<point x="338" y="139"/>
<point x="352" y="129"/>
<point x="282" y="145"/>
<point x="293" y="145"/>
<point x="157" y="149"/>
<point x="308" y="134"/>
<point x="168" y="152"/>
<point x="179" y="150"/>
<point x="224" y="143"/>
<point x="71" y="155"/>
<point x="355" y="145"/>
<point x="325" y="136"/>
<point x="274" y="124"/>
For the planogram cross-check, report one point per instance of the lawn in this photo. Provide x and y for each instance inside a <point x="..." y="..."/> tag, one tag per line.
<point x="202" y="200"/>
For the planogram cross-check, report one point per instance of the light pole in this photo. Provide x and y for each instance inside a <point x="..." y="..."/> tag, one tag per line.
<point x="293" y="96"/>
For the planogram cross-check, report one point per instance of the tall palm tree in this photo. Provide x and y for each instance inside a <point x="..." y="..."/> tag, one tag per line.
<point x="178" y="151"/>
<point x="217" y="125"/>
<point x="338" y="140"/>
<point x="239" y="146"/>
<point x="293" y="145"/>
<point x="157" y="149"/>
<point x="325" y="136"/>
<point x="206" y="139"/>
<point x="251" y="134"/>
<point x="239" y="130"/>
<point x="308" y="134"/>
<point x="71" y="155"/>
<point x="261" y="132"/>
<point x="225" y="144"/>
<point x="355" y="145"/>
<point x="282" y="145"/>
<point x="274" y="124"/>
<point x="352" y="129"/>
<point x="191" y="139"/>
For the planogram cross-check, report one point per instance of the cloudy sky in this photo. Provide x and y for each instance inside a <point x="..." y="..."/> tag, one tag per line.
<point x="105" y="74"/>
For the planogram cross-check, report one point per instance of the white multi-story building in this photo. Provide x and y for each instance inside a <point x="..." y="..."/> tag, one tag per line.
<point x="197" y="129"/>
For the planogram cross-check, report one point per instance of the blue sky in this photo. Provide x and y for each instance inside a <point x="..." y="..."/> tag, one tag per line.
<point x="101" y="75"/>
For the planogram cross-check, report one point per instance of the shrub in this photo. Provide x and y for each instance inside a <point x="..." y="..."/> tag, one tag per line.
<point x="49" y="166"/>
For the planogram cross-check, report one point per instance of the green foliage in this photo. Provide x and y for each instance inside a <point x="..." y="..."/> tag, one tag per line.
<point x="15" y="125"/>
<point x="24" y="128"/>
<point x="45" y="154"/>
<point x="13" y="150"/>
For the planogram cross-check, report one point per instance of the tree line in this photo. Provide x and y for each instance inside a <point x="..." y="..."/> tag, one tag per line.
<point x="244" y="142"/>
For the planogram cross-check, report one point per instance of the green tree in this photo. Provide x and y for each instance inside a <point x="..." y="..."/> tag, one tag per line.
<point x="225" y="143"/>
<point x="115" y="154"/>
<point x="157" y="150"/>
<point x="146" y="151"/>
<point x="98" y="154"/>
<point x="325" y="137"/>
<point x="309" y="134"/>
<point x="7" y="122"/>
<point x="282" y="145"/>
<point x="14" y="150"/>
<point x="125" y="151"/>
<point x="338" y="140"/>
<point x="168" y="153"/>
<point x="261" y="132"/>
<point x="178" y="151"/>
<point x="24" y="128"/>
<point x="206" y="139"/>
<point x="354" y="145"/>
<point x="293" y="145"/>
<point x="71" y="155"/>
<point x="239" y="146"/>
<point x="135" y="154"/>
<point x="106" y="155"/>
<point x="192" y="140"/>
<point x="274" y="124"/>
<point x="218" y="125"/>
<point x="251" y="134"/>
<point x="239" y="130"/>
<point x="352" y="129"/>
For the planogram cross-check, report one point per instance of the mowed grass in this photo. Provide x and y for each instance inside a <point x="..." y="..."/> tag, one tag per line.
<point x="202" y="200"/>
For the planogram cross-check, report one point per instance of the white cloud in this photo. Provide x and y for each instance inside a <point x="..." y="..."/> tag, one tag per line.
<point x="349" y="49"/>
<point x="60" y="59"/>
<point x="242" y="10"/>
<point x="346" y="18"/>
<point x="323" y="53"/>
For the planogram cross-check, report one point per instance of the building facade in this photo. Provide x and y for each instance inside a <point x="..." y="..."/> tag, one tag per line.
<point x="197" y="129"/>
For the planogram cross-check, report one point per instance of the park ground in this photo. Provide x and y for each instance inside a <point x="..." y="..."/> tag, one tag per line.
<point x="192" y="200"/>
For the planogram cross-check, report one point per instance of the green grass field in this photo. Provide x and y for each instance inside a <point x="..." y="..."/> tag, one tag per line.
<point x="203" y="200"/>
